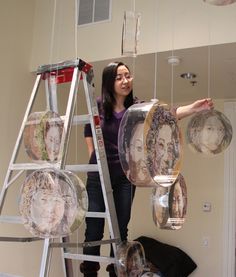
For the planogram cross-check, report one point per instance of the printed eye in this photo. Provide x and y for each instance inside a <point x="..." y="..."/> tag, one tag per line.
<point x="160" y="145"/>
<point x="139" y="148"/>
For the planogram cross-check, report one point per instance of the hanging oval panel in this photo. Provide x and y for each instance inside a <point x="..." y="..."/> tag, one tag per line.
<point x="53" y="203"/>
<point x="209" y="133"/>
<point x="42" y="136"/>
<point x="130" y="145"/>
<point x="169" y="205"/>
<point x="162" y="144"/>
<point x="130" y="259"/>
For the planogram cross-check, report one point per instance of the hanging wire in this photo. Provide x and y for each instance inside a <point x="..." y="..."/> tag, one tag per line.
<point x="76" y="29"/>
<point x="172" y="64"/>
<point x="53" y="31"/>
<point x="134" y="5"/>
<point x="155" y="59"/>
<point x="209" y="57"/>
<point x="155" y="78"/>
<point x="209" y="72"/>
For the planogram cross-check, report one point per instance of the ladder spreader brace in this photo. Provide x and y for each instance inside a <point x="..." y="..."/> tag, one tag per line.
<point x="68" y="71"/>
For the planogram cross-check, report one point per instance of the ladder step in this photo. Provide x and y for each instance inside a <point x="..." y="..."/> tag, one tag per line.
<point x="82" y="167"/>
<point x="78" y="119"/>
<point x="83" y="257"/>
<point x="15" y="239"/>
<point x="18" y="219"/>
<point x="35" y="166"/>
<point x="8" y="275"/>
<point x="10" y="219"/>
<point x="32" y="166"/>
<point x="83" y="244"/>
<point x="96" y="214"/>
<point x="81" y="119"/>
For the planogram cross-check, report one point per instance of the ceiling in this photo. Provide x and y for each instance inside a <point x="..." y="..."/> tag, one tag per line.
<point x="215" y="67"/>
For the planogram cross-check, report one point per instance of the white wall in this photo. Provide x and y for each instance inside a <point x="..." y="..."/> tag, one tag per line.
<point x="165" y="24"/>
<point x="16" y="31"/>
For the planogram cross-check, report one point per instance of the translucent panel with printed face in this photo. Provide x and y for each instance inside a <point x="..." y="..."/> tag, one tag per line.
<point x="130" y="259"/>
<point x="209" y="132"/>
<point x="169" y="205"/>
<point x="160" y="205"/>
<point x="162" y="144"/>
<point x="42" y="136"/>
<point x="53" y="203"/>
<point x="220" y="2"/>
<point x="130" y="145"/>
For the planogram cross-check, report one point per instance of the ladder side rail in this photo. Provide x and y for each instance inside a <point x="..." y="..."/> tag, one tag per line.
<point x="102" y="162"/>
<point x="18" y="141"/>
<point x="46" y="258"/>
<point x="44" y="270"/>
<point x="69" y="116"/>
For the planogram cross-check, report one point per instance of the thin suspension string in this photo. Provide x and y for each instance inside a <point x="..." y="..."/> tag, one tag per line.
<point x="209" y="72"/>
<point x="209" y="57"/>
<point x="53" y="31"/>
<point x="76" y="29"/>
<point x="134" y="5"/>
<point x="155" y="78"/>
<point x="172" y="64"/>
<point x="155" y="60"/>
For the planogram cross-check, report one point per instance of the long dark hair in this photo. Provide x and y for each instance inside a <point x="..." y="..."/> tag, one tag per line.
<point x="108" y="93"/>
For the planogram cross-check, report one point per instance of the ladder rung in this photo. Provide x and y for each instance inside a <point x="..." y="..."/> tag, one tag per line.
<point x="83" y="257"/>
<point x="96" y="214"/>
<point x="83" y="244"/>
<point x="10" y="219"/>
<point x="15" y="239"/>
<point x="79" y="119"/>
<point x="8" y="275"/>
<point x="32" y="166"/>
<point x="82" y="167"/>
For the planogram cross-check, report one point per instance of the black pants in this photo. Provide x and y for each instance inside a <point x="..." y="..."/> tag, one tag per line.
<point x="123" y="193"/>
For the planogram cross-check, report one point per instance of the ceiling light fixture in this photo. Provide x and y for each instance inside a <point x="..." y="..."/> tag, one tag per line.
<point x="188" y="75"/>
<point x="173" y="60"/>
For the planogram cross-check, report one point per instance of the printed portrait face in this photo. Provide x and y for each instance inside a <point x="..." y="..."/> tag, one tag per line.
<point x="164" y="149"/>
<point x="42" y="136"/>
<point x="178" y="202"/>
<point x="162" y="145"/>
<point x="209" y="132"/>
<point x="212" y="134"/>
<point x="130" y="145"/>
<point x="131" y="259"/>
<point x="138" y="172"/>
<point x="47" y="209"/>
<point x="52" y="203"/>
<point x="53" y="141"/>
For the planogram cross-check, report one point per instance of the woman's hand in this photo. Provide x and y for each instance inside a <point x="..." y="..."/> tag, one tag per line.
<point x="197" y="106"/>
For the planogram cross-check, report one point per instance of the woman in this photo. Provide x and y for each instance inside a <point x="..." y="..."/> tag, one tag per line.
<point x="117" y="97"/>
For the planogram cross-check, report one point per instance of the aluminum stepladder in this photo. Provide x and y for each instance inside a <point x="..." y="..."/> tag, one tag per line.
<point x="69" y="71"/>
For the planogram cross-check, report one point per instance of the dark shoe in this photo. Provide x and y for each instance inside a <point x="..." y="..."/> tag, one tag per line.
<point x="91" y="275"/>
<point x="89" y="269"/>
<point x="111" y="269"/>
